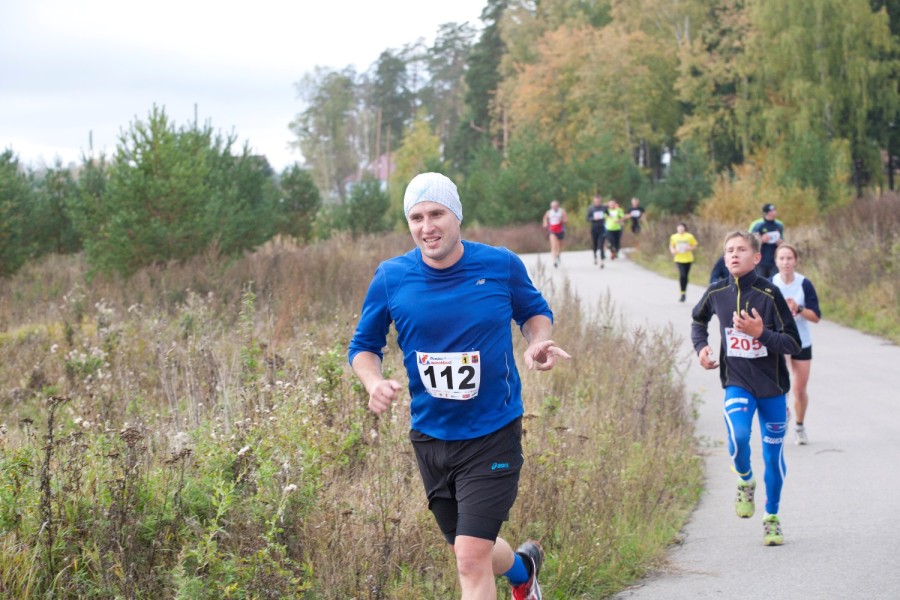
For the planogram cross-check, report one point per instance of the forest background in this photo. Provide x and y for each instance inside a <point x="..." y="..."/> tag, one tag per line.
<point x="179" y="416"/>
<point x="676" y="103"/>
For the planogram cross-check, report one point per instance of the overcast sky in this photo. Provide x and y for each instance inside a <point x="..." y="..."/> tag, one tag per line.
<point x="76" y="68"/>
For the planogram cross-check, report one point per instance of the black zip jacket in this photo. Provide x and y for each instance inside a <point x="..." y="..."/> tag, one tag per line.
<point x="766" y="376"/>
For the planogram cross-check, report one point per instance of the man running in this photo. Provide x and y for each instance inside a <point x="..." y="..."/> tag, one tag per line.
<point x="451" y="303"/>
<point x="636" y="215"/>
<point x="596" y="216"/>
<point x="771" y="233"/>
<point x="757" y="330"/>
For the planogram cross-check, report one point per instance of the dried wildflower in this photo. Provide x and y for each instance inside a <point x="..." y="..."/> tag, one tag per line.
<point x="131" y="436"/>
<point x="290" y="488"/>
<point x="243" y="450"/>
<point x="180" y="455"/>
<point x="55" y="401"/>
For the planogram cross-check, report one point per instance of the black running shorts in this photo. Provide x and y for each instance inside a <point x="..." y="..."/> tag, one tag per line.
<point x="471" y="485"/>
<point x="804" y="354"/>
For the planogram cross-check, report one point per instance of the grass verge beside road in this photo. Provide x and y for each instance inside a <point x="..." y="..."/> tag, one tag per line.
<point x="195" y="432"/>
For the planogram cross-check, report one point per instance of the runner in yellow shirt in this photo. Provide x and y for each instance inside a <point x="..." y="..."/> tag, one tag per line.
<point x="681" y="245"/>
<point x="615" y="216"/>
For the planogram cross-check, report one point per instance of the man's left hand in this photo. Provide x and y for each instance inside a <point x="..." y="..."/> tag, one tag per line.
<point x="542" y="356"/>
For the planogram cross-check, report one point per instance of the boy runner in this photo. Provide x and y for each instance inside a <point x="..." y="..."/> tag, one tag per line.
<point x="757" y="330"/>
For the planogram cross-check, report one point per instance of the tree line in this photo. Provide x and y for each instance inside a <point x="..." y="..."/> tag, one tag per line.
<point x="658" y="98"/>
<point x="549" y="99"/>
<point x="167" y="194"/>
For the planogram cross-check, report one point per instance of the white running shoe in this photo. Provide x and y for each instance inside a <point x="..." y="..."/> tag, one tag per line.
<point x="800" y="435"/>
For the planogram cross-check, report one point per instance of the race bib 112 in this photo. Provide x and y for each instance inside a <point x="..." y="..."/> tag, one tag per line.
<point x="450" y="375"/>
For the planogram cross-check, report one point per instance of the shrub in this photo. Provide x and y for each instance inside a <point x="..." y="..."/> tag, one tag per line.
<point x="737" y="200"/>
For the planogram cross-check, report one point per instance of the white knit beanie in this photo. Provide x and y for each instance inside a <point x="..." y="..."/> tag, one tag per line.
<point x="432" y="187"/>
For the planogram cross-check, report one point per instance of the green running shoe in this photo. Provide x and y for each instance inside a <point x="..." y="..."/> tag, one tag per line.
<point x="743" y="503"/>
<point x="772" y="529"/>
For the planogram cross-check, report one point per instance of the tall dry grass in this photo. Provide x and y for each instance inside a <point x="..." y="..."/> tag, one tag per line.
<point x="851" y="253"/>
<point x="853" y="257"/>
<point x="195" y="432"/>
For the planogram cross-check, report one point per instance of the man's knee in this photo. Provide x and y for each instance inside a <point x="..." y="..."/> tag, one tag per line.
<point x="473" y="556"/>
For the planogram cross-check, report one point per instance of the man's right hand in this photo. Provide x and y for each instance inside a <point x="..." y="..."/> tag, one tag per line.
<point x="706" y="358"/>
<point x="383" y="394"/>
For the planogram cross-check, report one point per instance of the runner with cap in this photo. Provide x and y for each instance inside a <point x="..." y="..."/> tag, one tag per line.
<point x="770" y="232"/>
<point x="451" y="302"/>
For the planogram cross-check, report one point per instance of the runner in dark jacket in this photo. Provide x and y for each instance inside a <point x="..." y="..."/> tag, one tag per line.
<point x="764" y="376"/>
<point x="757" y="330"/>
<point x="596" y="216"/>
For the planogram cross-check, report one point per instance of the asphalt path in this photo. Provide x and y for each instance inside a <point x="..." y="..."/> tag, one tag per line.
<point x="840" y="505"/>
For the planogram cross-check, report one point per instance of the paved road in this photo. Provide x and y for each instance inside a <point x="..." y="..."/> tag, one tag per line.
<point x="840" y="506"/>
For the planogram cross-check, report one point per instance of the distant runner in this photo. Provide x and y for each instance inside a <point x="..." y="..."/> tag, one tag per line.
<point x="554" y="222"/>
<point x="615" y="216"/>
<point x="596" y="216"/>
<point x="771" y="233"/>
<point x="681" y="246"/>
<point x="636" y="216"/>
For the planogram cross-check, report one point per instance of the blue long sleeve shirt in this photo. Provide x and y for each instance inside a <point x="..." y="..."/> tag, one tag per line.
<point x="465" y="310"/>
